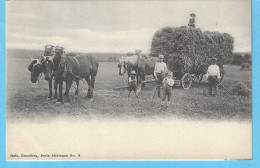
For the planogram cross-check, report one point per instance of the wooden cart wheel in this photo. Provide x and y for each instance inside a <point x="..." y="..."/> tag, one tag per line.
<point x="186" y="81"/>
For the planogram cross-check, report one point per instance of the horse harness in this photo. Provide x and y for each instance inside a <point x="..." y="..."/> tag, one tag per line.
<point x="69" y="67"/>
<point x="40" y="66"/>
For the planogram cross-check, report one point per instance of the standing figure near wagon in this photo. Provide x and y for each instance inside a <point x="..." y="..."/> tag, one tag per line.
<point x="213" y="75"/>
<point x="159" y="74"/>
<point x="168" y="82"/>
<point x="192" y="21"/>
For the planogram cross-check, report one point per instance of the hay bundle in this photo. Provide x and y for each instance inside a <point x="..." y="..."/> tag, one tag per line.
<point x="189" y="49"/>
<point x="241" y="89"/>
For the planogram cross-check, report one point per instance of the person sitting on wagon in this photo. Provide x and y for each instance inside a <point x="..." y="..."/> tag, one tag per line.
<point x="168" y="82"/>
<point x="192" y="21"/>
<point x="132" y="83"/>
<point x="213" y="75"/>
<point x="159" y="73"/>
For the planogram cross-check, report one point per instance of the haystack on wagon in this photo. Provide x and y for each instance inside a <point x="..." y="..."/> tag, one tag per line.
<point x="188" y="52"/>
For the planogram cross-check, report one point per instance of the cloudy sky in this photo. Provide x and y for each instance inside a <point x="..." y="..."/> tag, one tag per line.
<point x="119" y="26"/>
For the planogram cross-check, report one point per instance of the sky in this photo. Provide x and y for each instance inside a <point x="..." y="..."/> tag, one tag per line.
<point x="119" y="26"/>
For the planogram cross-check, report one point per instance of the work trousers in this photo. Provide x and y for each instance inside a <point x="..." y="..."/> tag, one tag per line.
<point x="160" y="77"/>
<point x="213" y="85"/>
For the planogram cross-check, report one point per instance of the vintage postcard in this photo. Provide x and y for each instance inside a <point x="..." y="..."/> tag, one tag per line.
<point x="128" y="80"/>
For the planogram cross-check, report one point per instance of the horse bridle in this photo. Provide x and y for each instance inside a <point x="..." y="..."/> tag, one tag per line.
<point x="37" y="64"/>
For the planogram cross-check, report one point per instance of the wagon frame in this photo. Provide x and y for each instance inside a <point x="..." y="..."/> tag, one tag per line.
<point x="185" y="79"/>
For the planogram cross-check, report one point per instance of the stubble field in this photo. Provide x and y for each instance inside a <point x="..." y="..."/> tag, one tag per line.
<point x="27" y="101"/>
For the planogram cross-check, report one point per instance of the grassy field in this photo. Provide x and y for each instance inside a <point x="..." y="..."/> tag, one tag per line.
<point x="27" y="101"/>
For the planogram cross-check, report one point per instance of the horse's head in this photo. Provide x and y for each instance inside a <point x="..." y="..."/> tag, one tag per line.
<point x="128" y="67"/>
<point x="35" y="68"/>
<point x="48" y="65"/>
<point x="59" y="52"/>
<point x="122" y="68"/>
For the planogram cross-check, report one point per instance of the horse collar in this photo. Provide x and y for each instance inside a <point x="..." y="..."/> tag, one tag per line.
<point x="76" y="62"/>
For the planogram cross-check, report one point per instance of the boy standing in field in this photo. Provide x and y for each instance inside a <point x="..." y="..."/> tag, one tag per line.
<point x="132" y="83"/>
<point x="213" y="75"/>
<point x="168" y="82"/>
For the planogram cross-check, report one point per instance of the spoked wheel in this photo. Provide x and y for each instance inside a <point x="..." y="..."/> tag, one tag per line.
<point x="186" y="81"/>
<point x="198" y="78"/>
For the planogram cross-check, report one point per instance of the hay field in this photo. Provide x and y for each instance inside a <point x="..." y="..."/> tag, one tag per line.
<point x="27" y="101"/>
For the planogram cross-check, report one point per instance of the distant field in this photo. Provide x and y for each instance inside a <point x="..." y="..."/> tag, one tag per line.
<point x="27" y="101"/>
<point x="24" y="54"/>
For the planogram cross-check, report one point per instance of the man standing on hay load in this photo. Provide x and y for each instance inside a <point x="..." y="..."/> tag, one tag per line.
<point x="213" y="75"/>
<point x="159" y="73"/>
<point x="192" y="21"/>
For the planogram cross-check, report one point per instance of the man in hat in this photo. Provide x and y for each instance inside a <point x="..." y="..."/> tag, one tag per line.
<point x="159" y="73"/>
<point x="213" y="75"/>
<point x="192" y="21"/>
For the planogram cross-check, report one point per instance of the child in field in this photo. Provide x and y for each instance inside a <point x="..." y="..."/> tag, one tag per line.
<point x="168" y="82"/>
<point x="132" y="83"/>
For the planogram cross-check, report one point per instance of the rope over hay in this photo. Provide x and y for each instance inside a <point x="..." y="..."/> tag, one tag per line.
<point x="190" y="50"/>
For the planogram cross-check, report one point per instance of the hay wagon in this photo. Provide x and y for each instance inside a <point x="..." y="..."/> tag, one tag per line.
<point x="186" y="78"/>
<point x="188" y="51"/>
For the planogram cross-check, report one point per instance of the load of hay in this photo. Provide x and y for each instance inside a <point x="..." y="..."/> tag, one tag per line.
<point x="190" y="50"/>
<point x="241" y="89"/>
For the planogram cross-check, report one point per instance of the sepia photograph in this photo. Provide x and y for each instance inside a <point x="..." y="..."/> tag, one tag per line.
<point x="128" y="80"/>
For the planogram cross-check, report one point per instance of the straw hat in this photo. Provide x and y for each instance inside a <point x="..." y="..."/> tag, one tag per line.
<point x="161" y="56"/>
<point x="192" y="14"/>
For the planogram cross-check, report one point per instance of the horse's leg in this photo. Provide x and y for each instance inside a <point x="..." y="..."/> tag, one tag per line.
<point x="129" y="94"/>
<point x="77" y="90"/>
<point x="87" y="78"/>
<point x="139" y="81"/>
<point x="143" y="79"/>
<point x="50" y="89"/>
<point x="60" y="82"/>
<point x="68" y="85"/>
<point x="136" y="94"/>
<point x="93" y="78"/>
<point x="55" y="89"/>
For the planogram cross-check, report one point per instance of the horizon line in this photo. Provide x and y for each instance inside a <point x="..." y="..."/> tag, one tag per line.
<point x="101" y="51"/>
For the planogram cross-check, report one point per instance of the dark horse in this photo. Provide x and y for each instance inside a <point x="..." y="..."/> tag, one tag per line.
<point x="69" y="69"/>
<point x="43" y="65"/>
<point x="146" y="67"/>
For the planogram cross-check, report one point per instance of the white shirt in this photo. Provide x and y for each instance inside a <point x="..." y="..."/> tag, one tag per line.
<point x="168" y="81"/>
<point x="213" y="70"/>
<point x="160" y="67"/>
<point x="130" y="80"/>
